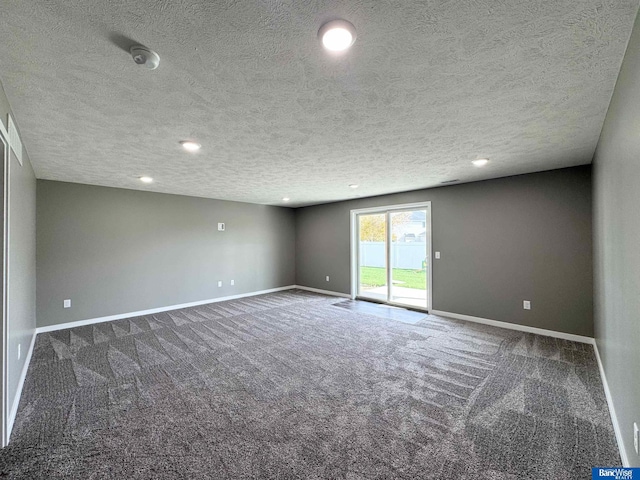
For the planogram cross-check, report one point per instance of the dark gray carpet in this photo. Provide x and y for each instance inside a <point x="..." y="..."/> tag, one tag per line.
<point x="289" y="386"/>
<point x="381" y="310"/>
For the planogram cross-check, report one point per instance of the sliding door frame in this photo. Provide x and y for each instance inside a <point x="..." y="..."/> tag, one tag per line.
<point x="355" y="247"/>
<point x="4" y="350"/>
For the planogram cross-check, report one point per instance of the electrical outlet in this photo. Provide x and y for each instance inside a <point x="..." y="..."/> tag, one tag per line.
<point x="20" y="354"/>
<point x="437" y="255"/>
<point x="220" y="283"/>
<point x="327" y="278"/>
<point x="67" y="303"/>
<point x="233" y="282"/>
<point x="636" y="437"/>
<point x="526" y="305"/>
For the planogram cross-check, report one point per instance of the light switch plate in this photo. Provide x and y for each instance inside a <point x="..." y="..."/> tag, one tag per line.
<point x="526" y="304"/>
<point x="437" y="255"/>
<point x="636" y="437"/>
<point x="221" y="227"/>
<point x="220" y="283"/>
<point x="67" y="303"/>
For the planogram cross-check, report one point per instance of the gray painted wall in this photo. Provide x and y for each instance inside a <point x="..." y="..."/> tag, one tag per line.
<point x="113" y="251"/>
<point x="502" y="241"/>
<point x="21" y="284"/>
<point x="617" y="245"/>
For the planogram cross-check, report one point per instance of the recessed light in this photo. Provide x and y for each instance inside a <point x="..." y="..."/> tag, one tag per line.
<point x="481" y="162"/>
<point x="286" y="199"/>
<point x="337" y="35"/>
<point x="146" y="179"/>
<point x="190" y="146"/>
<point x="354" y="185"/>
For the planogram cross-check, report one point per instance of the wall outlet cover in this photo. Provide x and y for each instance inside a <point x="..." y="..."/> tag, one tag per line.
<point x="67" y="303"/>
<point x="327" y="278"/>
<point x="526" y="304"/>
<point x="437" y="255"/>
<point x="233" y="282"/>
<point x="220" y="283"/>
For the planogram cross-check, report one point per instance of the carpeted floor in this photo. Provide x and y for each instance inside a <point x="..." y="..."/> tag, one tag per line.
<point x="288" y="385"/>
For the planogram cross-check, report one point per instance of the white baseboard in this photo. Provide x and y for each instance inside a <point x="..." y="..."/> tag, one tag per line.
<point x="514" y="326"/>
<point x="16" y="398"/>
<point x="325" y="292"/>
<point x="91" y="321"/>
<point x="612" y="410"/>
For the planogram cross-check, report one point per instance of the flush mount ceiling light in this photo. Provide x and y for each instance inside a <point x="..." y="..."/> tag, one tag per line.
<point x="190" y="146"/>
<point x="354" y="185"/>
<point x="286" y="199"/>
<point x="481" y="162"/>
<point x="337" y="35"/>
<point x="143" y="56"/>
<point x="146" y="179"/>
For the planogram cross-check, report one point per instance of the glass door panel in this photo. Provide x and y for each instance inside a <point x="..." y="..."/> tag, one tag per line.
<point x="372" y="262"/>
<point x="408" y="258"/>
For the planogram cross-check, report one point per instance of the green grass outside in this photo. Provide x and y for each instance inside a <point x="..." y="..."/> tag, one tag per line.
<point x="377" y="277"/>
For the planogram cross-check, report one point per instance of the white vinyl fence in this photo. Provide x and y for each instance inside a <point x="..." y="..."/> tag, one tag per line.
<point x="408" y="255"/>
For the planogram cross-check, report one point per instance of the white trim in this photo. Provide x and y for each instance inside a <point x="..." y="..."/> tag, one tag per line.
<point x="4" y="348"/>
<point x="354" y="252"/>
<point x="388" y="245"/>
<point x="515" y="326"/>
<point x="325" y="292"/>
<point x="429" y="240"/>
<point x="15" y="142"/>
<point x="91" y="321"/>
<point x="612" y="410"/>
<point x="403" y="206"/>
<point x="3" y="130"/>
<point x="23" y="376"/>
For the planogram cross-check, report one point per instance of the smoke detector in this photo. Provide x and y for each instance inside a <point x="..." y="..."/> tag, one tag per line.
<point x="143" y="56"/>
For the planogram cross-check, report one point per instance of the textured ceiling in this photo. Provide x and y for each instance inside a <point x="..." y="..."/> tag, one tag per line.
<point x="427" y="87"/>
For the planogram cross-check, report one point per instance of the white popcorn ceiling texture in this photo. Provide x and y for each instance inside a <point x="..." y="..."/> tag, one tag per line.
<point x="427" y="87"/>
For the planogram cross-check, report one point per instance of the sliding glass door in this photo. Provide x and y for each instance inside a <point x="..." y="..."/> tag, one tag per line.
<point x="372" y="267"/>
<point x="391" y="255"/>
<point x="408" y="258"/>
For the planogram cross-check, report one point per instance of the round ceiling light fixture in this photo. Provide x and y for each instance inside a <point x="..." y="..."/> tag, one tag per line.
<point x="190" y="146"/>
<point x="337" y="35"/>
<point x="481" y="162"/>
<point x="285" y="199"/>
<point x="354" y="185"/>
<point x="146" y="179"/>
<point x="143" y="56"/>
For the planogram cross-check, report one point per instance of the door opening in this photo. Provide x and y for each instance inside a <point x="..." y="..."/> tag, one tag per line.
<point x="391" y="255"/>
